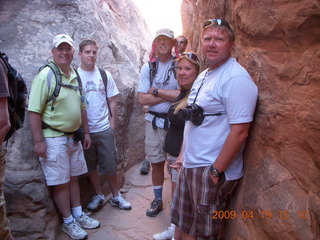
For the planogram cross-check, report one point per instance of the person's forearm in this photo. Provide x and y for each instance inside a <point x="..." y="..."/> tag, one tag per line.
<point x="112" y="119"/>
<point x="149" y="99"/>
<point x="232" y="146"/>
<point x="166" y="94"/>
<point x="36" y="126"/>
<point x="84" y="119"/>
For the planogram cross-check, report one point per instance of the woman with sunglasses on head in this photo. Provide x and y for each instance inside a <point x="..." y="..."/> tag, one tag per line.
<point x="189" y="66"/>
<point x="221" y="107"/>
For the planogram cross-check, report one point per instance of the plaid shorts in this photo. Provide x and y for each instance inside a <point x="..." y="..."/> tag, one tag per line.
<point x="196" y="198"/>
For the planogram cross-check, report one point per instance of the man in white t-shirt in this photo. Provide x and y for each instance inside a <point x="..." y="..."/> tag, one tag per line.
<point x="101" y="111"/>
<point x="224" y="99"/>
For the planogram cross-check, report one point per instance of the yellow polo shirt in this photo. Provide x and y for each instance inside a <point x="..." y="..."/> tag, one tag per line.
<point x="66" y="115"/>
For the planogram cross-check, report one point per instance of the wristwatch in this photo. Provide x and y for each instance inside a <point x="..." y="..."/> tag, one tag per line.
<point x="214" y="172"/>
<point x="155" y="92"/>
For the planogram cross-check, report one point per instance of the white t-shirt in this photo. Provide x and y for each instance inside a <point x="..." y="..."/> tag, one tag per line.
<point x="228" y="89"/>
<point x="94" y="91"/>
<point x="164" y="79"/>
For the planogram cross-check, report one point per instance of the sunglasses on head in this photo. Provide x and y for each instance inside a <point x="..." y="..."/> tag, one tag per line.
<point x="191" y="56"/>
<point x="218" y="21"/>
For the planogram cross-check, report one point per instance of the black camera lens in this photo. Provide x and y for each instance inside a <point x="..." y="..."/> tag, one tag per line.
<point x="193" y="113"/>
<point x="185" y="113"/>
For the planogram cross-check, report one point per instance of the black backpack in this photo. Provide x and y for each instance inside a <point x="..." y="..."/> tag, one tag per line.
<point x="56" y="72"/>
<point x="153" y="68"/>
<point x="18" y="97"/>
<point x="58" y="78"/>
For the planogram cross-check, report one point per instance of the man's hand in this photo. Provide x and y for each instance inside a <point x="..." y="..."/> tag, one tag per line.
<point x="40" y="149"/>
<point x="145" y="108"/>
<point x="86" y="141"/>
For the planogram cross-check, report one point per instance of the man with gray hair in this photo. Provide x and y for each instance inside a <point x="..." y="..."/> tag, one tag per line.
<point x="54" y="120"/>
<point x="158" y="87"/>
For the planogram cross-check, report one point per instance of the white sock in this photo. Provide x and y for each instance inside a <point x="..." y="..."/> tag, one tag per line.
<point x="119" y="194"/>
<point x="68" y="220"/>
<point x="77" y="211"/>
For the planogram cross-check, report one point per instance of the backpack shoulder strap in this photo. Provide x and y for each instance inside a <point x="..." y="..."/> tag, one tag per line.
<point x="79" y="81"/>
<point x="104" y="78"/>
<point x="174" y="66"/>
<point x="57" y="74"/>
<point x="153" y="68"/>
<point x="105" y="82"/>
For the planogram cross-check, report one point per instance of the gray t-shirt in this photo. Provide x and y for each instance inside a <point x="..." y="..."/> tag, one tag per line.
<point x="230" y="90"/>
<point x="164" y="79"/>
<point x="4" y="91"/>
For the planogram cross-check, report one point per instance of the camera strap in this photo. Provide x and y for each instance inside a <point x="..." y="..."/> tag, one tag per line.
<point x="214" y="114"/>
<point x="194" y="101"/>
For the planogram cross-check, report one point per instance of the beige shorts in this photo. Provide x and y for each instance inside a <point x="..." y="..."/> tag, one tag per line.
<point x="174" y="173"/>
<point x="154" y="142"/>
<point x="65" y="159"/>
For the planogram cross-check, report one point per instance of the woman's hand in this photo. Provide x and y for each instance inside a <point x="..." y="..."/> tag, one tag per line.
<point x="177" y="164"/>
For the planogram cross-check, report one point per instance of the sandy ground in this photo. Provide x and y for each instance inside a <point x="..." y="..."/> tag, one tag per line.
<point x="116" y="224"/>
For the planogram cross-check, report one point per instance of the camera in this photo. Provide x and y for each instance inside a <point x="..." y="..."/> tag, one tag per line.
<point x="193" y="113"/>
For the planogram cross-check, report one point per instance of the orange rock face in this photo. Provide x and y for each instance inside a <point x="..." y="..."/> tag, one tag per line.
<point x="278" y="42"/>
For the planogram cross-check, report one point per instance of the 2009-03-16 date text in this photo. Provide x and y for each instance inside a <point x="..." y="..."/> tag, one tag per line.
<point x="263" y="214"/>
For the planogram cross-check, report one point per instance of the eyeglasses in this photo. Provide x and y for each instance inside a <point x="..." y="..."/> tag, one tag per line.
<point x="219" y="21"/>
<point x="191" y="56"/>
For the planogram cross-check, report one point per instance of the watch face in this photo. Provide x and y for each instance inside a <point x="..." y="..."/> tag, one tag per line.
<point x="155" y="92"/>
<point x="214" y="172"/>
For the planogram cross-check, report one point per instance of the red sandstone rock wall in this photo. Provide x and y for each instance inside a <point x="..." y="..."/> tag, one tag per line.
<point x="279" y="43"/>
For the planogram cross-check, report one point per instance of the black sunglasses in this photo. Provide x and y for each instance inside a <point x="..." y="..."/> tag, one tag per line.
<point x="191" y="56"/>
<point x="219" y="22"/>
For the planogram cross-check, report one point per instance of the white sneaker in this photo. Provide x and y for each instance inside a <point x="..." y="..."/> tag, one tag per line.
<point x="74" y="231"/>
<point x="87" y="222"/>
<point x="96" y="202"/>
<point x="166" y="234"/>
<point x="120" y="202"/>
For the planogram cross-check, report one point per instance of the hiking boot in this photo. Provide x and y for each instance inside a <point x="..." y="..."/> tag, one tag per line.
<point x="155" y="208"/>
<point x="96" y="202"/>
<point x="120" y="202"/>
<point x="166" y="234"/>
<point x="87" y="222"/>
<point x="145" y="168"/>
<point x="74" y="231"/>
